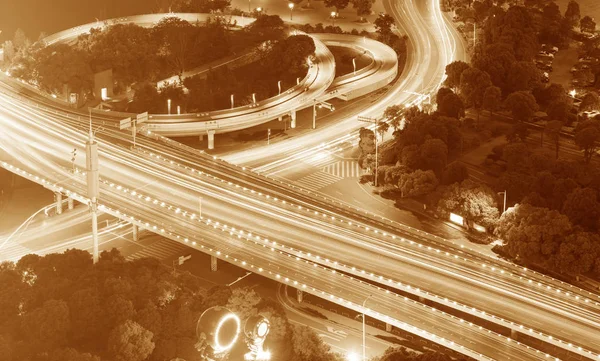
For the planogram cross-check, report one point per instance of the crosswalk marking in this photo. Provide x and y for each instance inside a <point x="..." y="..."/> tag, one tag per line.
<point x="344" y="169"/>
<point x="161" y="249"/>
<point x="317" y="180"/>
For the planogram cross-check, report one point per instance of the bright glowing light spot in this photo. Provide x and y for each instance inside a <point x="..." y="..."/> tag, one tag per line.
<point x="352" y="356"/>
<point x="218" y="346"/>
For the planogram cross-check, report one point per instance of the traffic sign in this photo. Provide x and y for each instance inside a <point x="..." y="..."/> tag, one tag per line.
<point x="142" y="118"/>
<point x="182" y="259"/>
<point x="125" y="123"/>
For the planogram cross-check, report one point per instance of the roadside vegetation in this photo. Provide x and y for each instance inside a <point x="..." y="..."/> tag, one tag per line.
<point x="543" y="139"/>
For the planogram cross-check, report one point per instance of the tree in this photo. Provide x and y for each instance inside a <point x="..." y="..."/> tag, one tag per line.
<point x="243" y="302"/>
<point x="363" y="8"/>
<point x="587" y="24"/>
<point x="48" y="326"/>
<point x="130" y="342"/>
<point x="145" y="98"/>
<point x="366" y="144"/>
<point x="175" y="37"/>
<point x="572" y="14"/>
<point x="61" y="64"/>
<point x="559" y="111"/>
<point x="393" y="115"/>
<point x="553" y="129"/>
<point x="308" y="346"/>
<point x="492" y="99"/>
<point x="523" y="75"/>
<point x="453" y="72"/>
<point x="338" y="4"/>
<point x="434" y="153"/>
<point x="449" y="104"/>
<point x="473" y="83"/>
<point x="590" y="102"/>
<point x="20" y="40"/>
<point x="587" y="137"/>
<point x="383" y="27"/>
<point x="578" y="252"/>
<point x="267" y="27"/>
<point x="455" y="172"/>
<point x="582" y="208"/>
<point x="522" y="105"/>
<point x="532" y="234"/>
<point x="417" y="183"/>
<point x="474" y="201"/>
<point x="515" y="154"/>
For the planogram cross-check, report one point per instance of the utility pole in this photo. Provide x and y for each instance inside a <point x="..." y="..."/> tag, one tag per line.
<point x="376" y="122"/>
<point x="320" y="105"/>
<point x="93" y="185"/>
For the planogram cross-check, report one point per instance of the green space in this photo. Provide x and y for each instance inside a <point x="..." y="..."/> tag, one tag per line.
<point x="62" y="307"/>
<point x="482" y="138"/>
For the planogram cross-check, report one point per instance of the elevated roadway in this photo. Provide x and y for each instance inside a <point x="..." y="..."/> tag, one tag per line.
<point x="163" y="197"/>
<point x="305" y="228"/>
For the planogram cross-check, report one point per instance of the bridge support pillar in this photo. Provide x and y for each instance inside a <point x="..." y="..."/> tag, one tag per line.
<point x="514" y="334"/>
<point x="70" y="203"/>
<point x="213" y="263"/>
<point x="299" y="295"/>
<point x="58" y="203"/>
<point x="293" y="116"/>
<point x="135" y="231"/>
<point x="201" y="137"/>
<point x="388" y="327"/>
<point x="211" y="139"/>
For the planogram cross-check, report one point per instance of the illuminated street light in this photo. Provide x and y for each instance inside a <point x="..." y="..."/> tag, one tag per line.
<point x="291" y="6"/>
<point x="258" y="9"/>
<point x="573" y="93"/>
<point x="352" y="356"/>
<point x="333" y="16"/>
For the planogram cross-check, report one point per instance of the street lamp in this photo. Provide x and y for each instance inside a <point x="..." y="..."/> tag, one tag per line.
<point x="249" y="6"/>
<point x="352" y="357"/>
<point x="291" y="6"/>
<point x="364" y="340"/>
<point x="258" y="9"/>
<point x="503" y="208"/>
<point x="333" y="15"/>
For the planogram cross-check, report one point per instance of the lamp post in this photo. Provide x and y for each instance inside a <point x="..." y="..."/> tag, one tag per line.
<point x="321" y="105"/>
<point x="333" y="15"/>
<point x="169" y="106"/>
<point x="503" y="208"/>
<point x="291" y="6"/>
<point x="249" y="6"/>
<point x="364" y="327"/>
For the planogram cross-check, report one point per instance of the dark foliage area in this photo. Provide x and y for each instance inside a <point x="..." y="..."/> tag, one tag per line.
<point x="61" y="307"/>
